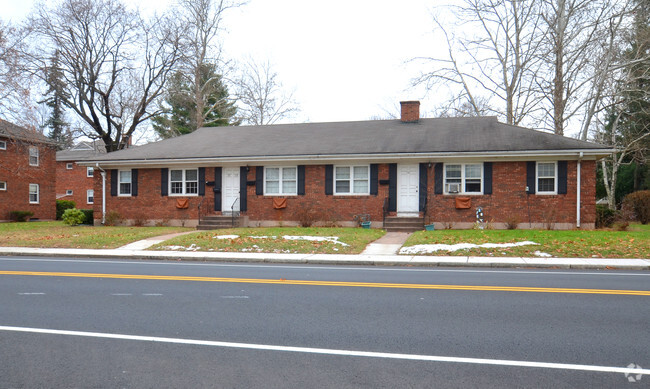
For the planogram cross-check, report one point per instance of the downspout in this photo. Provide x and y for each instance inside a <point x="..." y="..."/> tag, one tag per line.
<point x="579" y="184"/>
<point x="103" y="173"/>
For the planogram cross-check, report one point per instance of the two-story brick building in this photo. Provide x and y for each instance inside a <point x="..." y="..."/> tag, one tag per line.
<point x="442" y="171"/>
<point x="73" y="181"/>
<point x="27" y="172"/>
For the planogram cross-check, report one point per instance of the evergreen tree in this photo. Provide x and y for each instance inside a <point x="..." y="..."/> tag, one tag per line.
<point x="179" y="116"/>
<point x="54" y="100"/>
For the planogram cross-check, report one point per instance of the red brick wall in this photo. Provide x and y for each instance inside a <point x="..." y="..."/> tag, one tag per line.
<point x="74" y="179"/>
<point x="509" y="200"/>
<point x="16" y="171"/>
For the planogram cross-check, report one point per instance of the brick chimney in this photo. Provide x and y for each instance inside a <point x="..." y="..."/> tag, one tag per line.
<point x="410" y="111"/>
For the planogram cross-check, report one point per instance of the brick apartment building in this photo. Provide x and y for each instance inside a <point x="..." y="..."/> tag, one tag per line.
<point x="27" y="172"/>
<point x="442" y="171"/>
<point x="75" y="182"/>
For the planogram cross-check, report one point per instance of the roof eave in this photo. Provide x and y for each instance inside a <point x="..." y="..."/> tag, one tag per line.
<point x="378" y="157"/>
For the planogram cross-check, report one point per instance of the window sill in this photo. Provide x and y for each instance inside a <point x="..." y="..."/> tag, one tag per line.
<point x="184" y="195"/>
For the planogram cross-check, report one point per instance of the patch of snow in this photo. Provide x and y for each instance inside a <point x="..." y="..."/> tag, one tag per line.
<point x="541" y="254"/>
<point x="225" y="237"/>
<point x="332" y="239"/>
<point x="430" y="248"/>
<point x="175" y="247"/>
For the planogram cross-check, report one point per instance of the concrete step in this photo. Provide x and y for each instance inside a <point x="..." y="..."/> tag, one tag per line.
<point x="404" y="224"/>
<point x="217" y="222"/>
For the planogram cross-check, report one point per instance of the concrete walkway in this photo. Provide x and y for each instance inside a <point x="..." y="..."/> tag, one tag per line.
<point x="154" y="240"/>
<point x="388" y="244"/>
<point x="337" y="259"/>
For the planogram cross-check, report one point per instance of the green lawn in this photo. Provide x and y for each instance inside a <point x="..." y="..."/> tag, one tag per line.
<point x="350" y="240"/>
<point x="57" y="234"/>
<point x="634" y="243"/>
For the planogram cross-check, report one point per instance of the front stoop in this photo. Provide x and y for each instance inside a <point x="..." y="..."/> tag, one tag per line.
<point x="404" y="224"/>
<point x="218" y="222"/>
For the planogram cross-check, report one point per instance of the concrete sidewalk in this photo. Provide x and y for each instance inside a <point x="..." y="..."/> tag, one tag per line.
<point x="338" y="259"/>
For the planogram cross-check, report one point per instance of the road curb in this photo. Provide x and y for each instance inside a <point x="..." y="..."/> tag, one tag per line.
<point x="340" y="259"/>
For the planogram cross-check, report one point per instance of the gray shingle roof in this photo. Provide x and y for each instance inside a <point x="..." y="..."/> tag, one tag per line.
<point x="378" y="137"/>
<point x="82" y="151"/>
<point x="13" y="131"/>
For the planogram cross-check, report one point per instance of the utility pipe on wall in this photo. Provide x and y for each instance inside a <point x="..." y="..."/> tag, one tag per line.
<point x="579" y="184"/>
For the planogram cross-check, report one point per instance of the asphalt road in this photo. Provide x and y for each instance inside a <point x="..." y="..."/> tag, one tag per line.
<point x="136" y="324"/>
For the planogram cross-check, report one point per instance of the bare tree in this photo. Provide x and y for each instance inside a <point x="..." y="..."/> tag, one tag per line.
<point x="113" y="62"/>
<point x="497" y="58"/>
<point x="202" y="20"/>
<point x="573" y="34"/>
<point x="15" y="96"/>
<point x="261" y="97"/>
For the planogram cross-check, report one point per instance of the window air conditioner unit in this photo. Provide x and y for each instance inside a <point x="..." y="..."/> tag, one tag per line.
<point x="453" y="188"/>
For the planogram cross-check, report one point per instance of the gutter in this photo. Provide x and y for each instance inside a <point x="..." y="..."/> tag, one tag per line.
<point x="375" y="157"/>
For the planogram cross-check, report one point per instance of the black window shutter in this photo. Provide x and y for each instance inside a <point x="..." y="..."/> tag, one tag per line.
<point x="437" y="183"/>
<point x="113" y="182"/>
<point x="134" y="182"/>
<point x="217" y="188"/>
<point x="562" y="177"/>
<point x="329" y="179"/>
<point x="423" y="185"/>
<point x="164" y="187"/>
<point x="392" y="187"/>
<point x="301" y="180"/>
<point x="374" y="179"/>
<point x="487" y="177"/>
<point x="243" y="194"/>
<point x="530" y="176"/>
<point x="201" y="181"/>
<point x="259" y="180"/>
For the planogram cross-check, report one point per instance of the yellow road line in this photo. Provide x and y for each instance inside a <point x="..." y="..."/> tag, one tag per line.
<point x="334" y="283"/>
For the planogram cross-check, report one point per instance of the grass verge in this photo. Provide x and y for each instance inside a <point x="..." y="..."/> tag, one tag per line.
<point x="350" y="240"/>
<point x="59" y="235"/>
<point x="634" y="243"/>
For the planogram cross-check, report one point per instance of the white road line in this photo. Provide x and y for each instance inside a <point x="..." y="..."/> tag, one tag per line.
<point x="152" y="294"/>
<point x="31" y="294"/>
<point x="121" y="294"/>
<point x="351" y="353"/>
<point x="234" y="297"/>
<point x="345" y="268"/>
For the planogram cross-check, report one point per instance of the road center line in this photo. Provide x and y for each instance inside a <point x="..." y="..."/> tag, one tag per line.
<point x="351" y="353"/>
<point x="335" y="283"/>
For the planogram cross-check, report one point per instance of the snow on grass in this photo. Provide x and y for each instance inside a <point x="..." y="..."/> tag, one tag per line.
<point x="332" y="239"/>
<point x="430" y="248"/>
<point x="542" y="254"/>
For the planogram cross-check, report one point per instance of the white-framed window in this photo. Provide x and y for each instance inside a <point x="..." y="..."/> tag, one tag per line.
<point x="124" y="183"/>
<point x="68" y="165"/>
<point x="281" y="180"/>
<point x="34" y="194"/>
<point x="90" y="196"/>
<point x="90" y="171"/>
<point x="546" y="177"/>
<point x="465" y="178"/>
<point x="352" y="180"/>
<point x="33" y="156"/>
<point x="3" y="145"/>
<point x="68" y="192"/>
<point x="3" y="185"/>
<point x="184" y="182"/>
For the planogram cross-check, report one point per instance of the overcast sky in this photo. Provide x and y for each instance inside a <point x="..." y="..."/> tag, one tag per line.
<point x="345" y="59"/>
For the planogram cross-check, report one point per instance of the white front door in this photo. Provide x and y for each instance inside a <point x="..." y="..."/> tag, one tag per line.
<point x="408" y="186"/>
<point x="230" y="191"/>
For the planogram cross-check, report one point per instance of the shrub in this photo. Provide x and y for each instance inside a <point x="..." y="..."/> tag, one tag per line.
<point x="139" y="220"/>
<point x="639" y="204"/>
<point x="62" y="205"/>
<point x="88" y="216"/>
<point x="512" y="222"/>
<point x="605" y="217"/>
<point x="20" y="216"/>
<point x="112" y="218"/>
<point x="73" y="217"/>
